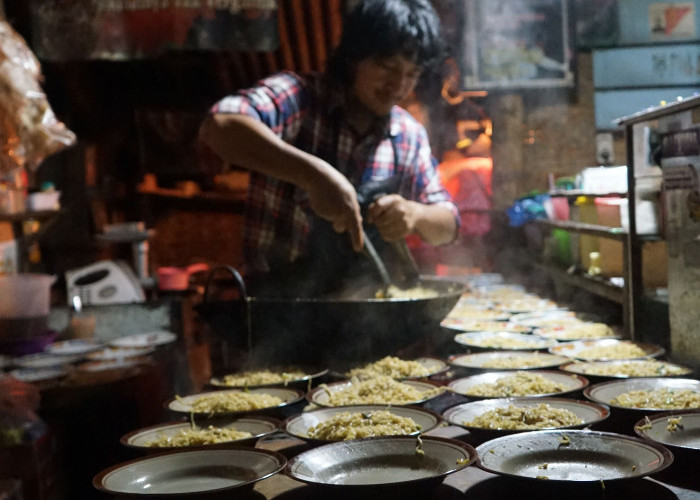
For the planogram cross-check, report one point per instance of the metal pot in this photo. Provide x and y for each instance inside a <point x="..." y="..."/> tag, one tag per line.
<point x="332" y="332"/>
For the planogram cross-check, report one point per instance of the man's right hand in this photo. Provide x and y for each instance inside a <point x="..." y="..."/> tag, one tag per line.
<point x="333" y="198"/>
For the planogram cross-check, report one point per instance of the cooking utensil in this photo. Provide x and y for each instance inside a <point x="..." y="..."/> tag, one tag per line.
<point x="299" y="425"/>
<point x="371" y="252"/>
<point x="370" y="466"/>
<point x="367" y="194"/>
<point x="323" y="331"/>
<point x="572" y="455"/>
<point x="190" y="472"/>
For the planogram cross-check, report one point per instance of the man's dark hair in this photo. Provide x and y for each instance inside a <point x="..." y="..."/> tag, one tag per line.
<point x="384" y="28"/>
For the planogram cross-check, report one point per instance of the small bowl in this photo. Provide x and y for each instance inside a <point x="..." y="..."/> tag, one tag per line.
<point x="190" y="472"/>
<point x="321" y="395"/>
<point x="257" y="426"/>
<point x="605" y="371"/>
<point x="299" y="425"/>
<point x="376" y="466"/>
<point x="505" y="341"/>
<point x="571" y="383"/>
<point x="288" y="395"/>
<point x="623" y="418"/>
<point x="589" y="413"/>
<point x="578" y="456"/>
<point x="579" y="349"/>
<point x="73" y="347"/>
<point x="506" y="360"/>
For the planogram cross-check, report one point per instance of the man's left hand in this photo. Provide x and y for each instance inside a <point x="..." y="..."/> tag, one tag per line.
<point x="394" y="216"/>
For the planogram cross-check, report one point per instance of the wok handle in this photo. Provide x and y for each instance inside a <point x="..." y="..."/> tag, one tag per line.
<point x="244" y="297"/>
<point x="236" y="276"/>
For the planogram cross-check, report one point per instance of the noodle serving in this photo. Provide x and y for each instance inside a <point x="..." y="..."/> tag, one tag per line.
<point x="196" y="436"/>
<point x="390" y="366"/>
<point x="518" y="384"/>
<point x="355" y="425"/>
<point x="542" y="416"/>
<point x="659" y="399"/>
<point x="234" y="401"/>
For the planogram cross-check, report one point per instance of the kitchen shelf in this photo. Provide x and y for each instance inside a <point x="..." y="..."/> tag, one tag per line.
<point x="615" y="233"/>
<point x="593" y="284"/>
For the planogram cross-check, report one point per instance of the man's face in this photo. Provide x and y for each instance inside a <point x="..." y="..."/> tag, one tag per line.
<point x="382" y="82"/>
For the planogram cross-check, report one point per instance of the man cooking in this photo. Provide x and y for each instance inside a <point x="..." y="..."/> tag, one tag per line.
<point x="311" y="141"/>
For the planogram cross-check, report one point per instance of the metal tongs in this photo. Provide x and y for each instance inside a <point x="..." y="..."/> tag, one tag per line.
<point x="371" y="252"/>
<point x="367" y="193"/>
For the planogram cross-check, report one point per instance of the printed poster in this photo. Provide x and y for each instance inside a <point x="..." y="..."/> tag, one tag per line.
<point x="668" y="21"/>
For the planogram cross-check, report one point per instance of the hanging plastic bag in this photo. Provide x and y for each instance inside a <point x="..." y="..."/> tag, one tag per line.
<point x="29" y="130"/>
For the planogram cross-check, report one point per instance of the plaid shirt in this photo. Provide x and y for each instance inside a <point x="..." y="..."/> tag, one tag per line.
<point x="307" y="112"/>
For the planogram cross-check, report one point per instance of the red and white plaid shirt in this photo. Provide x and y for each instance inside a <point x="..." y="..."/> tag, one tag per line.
<point x="307" y="112"/>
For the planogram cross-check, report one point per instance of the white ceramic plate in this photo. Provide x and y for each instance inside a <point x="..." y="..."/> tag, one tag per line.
<point x="607" y="369"/>
<point x="572" y="455"/>
<point x="506" y="341"/>
<point x="119" y="353"/>
<point x="384" y="461"/>
<point x="190" y="472"/>
<point x="286" y="394"/>
<point x="299" y="425"/>
<point x="615" y="349"/>
<point x="683" y="434"/>
<point x="606" y="391"/>
<point x="507" y="360"/>
<point x="110" y="364"/>
<point x="147" y="339"/>
<point x="570" y="383"/>
<point x="433" y="366"/>
<point x="39" y="374"/>
<point x="589" y="413"/>
<point x="45" y="360"/>
<point x="310" y="373"/>
<point x="470" y="325"/>
<point x="257" y="426"/>
<point x="73" y="347"/>
<point x="320" y="395"/>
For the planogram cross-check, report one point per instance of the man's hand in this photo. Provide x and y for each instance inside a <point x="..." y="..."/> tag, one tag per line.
<point x="333" y="198"/>
<point x="394" y="216"/>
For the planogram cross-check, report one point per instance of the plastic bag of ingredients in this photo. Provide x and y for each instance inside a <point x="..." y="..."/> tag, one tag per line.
<point x="29" y="130"/>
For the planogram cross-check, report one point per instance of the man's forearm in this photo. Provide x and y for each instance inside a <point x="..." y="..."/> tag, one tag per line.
<point x="435" y="224"/>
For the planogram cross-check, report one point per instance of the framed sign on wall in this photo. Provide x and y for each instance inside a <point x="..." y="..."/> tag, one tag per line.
<point x="518" y="44"/>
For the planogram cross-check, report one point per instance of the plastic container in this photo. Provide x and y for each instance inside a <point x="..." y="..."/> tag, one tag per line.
<point x="613" y="212"/>
<point x="587" y="213"/>
<point x="24" y="305"/>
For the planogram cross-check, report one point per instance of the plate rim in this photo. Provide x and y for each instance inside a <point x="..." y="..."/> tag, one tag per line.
<point x="125" y="438"/>
<point x="585" y="383"/>
<point x="547" y="343"/>
<point x="660" y="350"/>
<point x="309" y="395"/>
<point x="307" y="377"/>
<point x="98" y="479"/>
<point x="662" y="450"/>
<point x="287" y="421"/>
<point x="528" y="400"/>
<point x="299" y="396"/>
<point x="662" y="416"/>
<point x="493" y="352"/>
<point x="470" y="450"/>
<point x="571" y="361"/>
<point x="119" y="341"/>
<point x="587" y="392"/>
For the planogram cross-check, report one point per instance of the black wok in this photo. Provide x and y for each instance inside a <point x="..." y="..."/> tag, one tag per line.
<point x="325" y="331"/>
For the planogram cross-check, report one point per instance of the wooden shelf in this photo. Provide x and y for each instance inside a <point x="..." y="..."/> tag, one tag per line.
<point x="22" y="216"/>
<point x="614" y="233"/>
<point x="233" y="200"/>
